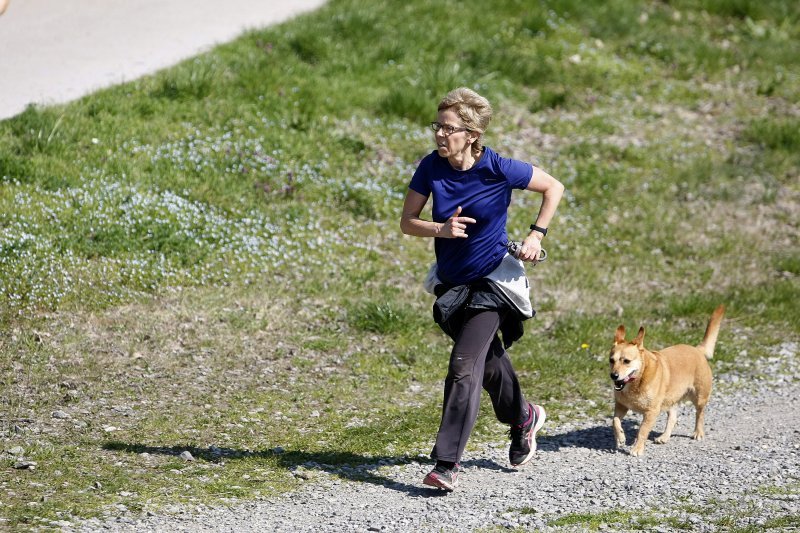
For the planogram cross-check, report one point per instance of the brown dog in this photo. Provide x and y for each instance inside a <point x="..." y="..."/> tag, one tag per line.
<point x="652" y="382"/>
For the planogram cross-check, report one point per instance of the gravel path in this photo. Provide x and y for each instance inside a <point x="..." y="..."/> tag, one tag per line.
<point x="746" y="473"/>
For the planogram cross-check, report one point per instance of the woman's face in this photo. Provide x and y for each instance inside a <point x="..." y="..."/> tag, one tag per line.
<point x="453" y="144"/>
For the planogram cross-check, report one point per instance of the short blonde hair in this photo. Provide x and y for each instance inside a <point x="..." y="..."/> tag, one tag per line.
<point x="474" y="110"/>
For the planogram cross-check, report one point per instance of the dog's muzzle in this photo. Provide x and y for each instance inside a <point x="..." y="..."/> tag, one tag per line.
<point x="619" y="384"/>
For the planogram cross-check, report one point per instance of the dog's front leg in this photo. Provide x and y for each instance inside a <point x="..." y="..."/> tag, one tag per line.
<point x="619" y="413"/>
<point x="672" y="417"/>
<point x="648" y="421"/>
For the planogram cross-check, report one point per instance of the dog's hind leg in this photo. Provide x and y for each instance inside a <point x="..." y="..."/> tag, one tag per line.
<point x="672" y="418"/>
<point x="700" y="415"/>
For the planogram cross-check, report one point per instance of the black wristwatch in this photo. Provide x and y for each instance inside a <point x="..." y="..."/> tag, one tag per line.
<point x="543" y="231"/>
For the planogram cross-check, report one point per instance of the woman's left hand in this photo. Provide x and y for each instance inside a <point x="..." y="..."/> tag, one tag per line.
<point x="530" y="249"/>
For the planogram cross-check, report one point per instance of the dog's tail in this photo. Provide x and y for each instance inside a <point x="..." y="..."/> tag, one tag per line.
<point x="712" y="330"/>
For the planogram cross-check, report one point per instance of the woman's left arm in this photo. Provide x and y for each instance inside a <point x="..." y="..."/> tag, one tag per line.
<point x="551" y="190"/>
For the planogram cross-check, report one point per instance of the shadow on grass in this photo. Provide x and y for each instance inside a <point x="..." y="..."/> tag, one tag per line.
<point x="346" y="465"/>
<point x="366" y="468"/>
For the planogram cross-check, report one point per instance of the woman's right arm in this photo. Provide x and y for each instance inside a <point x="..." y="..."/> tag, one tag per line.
<point x="411" y="224"/>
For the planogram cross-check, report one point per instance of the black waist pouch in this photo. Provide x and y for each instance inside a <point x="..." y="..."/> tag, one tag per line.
<point x="448" y="301"/>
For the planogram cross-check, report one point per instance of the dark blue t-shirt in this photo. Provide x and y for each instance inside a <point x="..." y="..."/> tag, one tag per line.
<point x="484" y="193"/>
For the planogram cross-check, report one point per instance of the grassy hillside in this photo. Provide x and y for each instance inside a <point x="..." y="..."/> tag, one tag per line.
<point x="209" y="259"/>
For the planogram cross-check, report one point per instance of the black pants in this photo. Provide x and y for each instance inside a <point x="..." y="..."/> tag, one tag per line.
<point x="478" y="360"/>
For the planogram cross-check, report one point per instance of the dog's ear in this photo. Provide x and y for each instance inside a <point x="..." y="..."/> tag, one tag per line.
<point x="619" y="337"/>
<point x="639" y="340"/>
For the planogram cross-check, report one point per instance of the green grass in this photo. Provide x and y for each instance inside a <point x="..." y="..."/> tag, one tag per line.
<point x="598" y="521"/>
<point x="726" y="514"/>
<point x="208" y="259"/>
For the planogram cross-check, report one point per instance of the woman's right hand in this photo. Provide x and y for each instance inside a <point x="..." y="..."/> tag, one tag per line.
<point x="455" y="227"/>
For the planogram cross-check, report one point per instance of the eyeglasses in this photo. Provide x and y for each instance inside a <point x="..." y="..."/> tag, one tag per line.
<point x="447" y="129"/>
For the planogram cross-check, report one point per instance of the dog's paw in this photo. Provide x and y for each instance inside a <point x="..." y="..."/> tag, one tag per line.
<point x="698" y="435"/>
<point x="637" y="451"/>
<point x="662" y="439"/>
